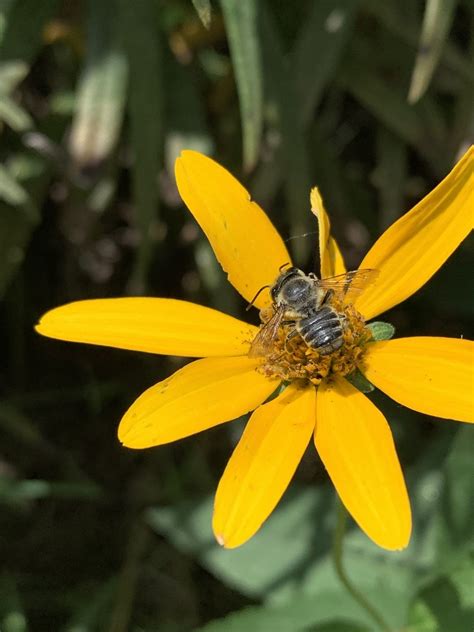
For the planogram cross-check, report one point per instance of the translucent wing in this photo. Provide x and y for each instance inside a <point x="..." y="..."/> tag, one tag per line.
<point x="350" y="284"/>
<point x="263" y="342"/>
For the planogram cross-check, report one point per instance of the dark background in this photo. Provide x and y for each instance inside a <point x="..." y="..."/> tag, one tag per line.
<point x="96" y="101"/>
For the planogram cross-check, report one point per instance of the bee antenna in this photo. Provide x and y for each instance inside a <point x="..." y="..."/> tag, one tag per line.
<point x="280" y="269"/>
<point x="255" y="297"/>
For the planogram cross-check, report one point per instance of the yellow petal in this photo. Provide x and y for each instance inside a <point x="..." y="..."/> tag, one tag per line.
<point x="331" y="259"/>
<point x="434" y="376"/>
<point x="263" y="464"/>
<point x="417" y="245"/>
<point x="244" y="240"/>
<point x="356" y="446"/>
<point x="203" y="394"/>
<point x="156" y="325"/>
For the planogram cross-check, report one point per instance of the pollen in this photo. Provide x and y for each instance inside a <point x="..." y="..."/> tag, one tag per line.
<point x="292" y="359"/>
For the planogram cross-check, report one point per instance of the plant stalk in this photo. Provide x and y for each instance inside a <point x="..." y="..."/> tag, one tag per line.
<point x="337" y="555"/>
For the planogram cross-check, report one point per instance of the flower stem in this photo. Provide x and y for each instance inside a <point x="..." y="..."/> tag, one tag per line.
<point x="337" y="553"/>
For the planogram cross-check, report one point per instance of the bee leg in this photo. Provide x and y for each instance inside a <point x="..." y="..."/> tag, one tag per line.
<point x="329" y="295"/>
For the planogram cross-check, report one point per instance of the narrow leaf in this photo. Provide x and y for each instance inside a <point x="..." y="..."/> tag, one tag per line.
<point x="390" y="176"/>
<point x="241" y="23"/>
<point x="360" y="382"/>
<point x="13" y="115"/>
<point x="293" y="154"/>
<point x="102" y="88"/>
<point x="388" y="105"/>
<point x="11" y="73"/>
<point x="392" y="17"/>
<point x="5" y="8"/>
<point x="203" y="9"/>
<point x="18" y="222"/>
<point x="382" y="100"/>
<point x="12" y="614"/>
<point x="11" y="191"/>
<point x="139" y="25"/>
<point x="437" y="21"/>
<point x="322" y="39"/>
<point x="24" y="28"/>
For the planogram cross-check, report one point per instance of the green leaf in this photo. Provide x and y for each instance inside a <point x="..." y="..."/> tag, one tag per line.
<point x="317" y="51"/>
<point x="421" y="619"/>
<point x="338" y="626"/>
<point x="186" y="126"/>
<point x="381" y="330"/>
<point x="365" y="77"/>
<point x="392" y="17"/>
<point x="93" y="612"/>
<point x="277" y="553"/>
<point x="17" y="222"/>
<point x="390" y="176"/>
<point x="12" y="615"/>
<point x="297" y="615"/>
<point x="24" y="28"/>
<point x="15" y="232"/>
<point x="382" y="99"/>
<point x="290" y="556"/>
<point x="16" y="493"/>
<point x="14" y="422"/>
<point x="456" y="512"/>
<point x="292" y="156"/>
<point x="5" y="8"/>
<point x="13" y="115"/>
<point x="437" y="21"/>
<point x="102" y="89"/>
<point x="203" y="9"/>
<point x="448" y="602"/>
<point x="289" y="559"/>
<point x="360" y="382"/>
<point x="241" y="23"/>
<point x="33" y="173"/>
<point x="10" y="191"/>
<point x="141" y="37"/>
<point x="441" y="487"/>
<point x="442" y="609"/>
<point x="11" y="73"/>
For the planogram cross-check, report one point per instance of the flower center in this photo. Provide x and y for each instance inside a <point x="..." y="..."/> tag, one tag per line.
<point x="291" y="357"/>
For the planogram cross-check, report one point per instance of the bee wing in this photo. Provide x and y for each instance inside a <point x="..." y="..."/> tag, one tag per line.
<point x="263" y="341"/>
<point x="350" y="284"/>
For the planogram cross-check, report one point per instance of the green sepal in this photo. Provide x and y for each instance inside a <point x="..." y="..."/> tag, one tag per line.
<point x="360" y="382"/>
<point x="381" y="330"/>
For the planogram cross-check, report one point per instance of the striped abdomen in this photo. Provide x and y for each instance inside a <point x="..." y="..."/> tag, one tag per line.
<point x="322" y="330"/>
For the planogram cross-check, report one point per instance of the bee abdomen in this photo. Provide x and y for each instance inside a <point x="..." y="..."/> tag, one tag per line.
<point x="322" y="330"/>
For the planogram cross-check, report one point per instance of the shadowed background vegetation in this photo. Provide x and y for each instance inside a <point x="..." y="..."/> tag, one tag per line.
<point x="372" y="102"/>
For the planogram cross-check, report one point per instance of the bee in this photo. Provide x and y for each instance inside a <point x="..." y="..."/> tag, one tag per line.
<point x="304" y="302"/>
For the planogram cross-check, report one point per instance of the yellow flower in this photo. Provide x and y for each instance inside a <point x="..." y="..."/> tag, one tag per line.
<point x="354" y="441"/>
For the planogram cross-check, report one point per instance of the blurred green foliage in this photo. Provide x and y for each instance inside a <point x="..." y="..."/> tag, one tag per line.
<point x="96" y="101"/>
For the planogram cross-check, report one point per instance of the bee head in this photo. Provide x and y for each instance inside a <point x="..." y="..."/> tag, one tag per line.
<point x="290" y="288"/>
